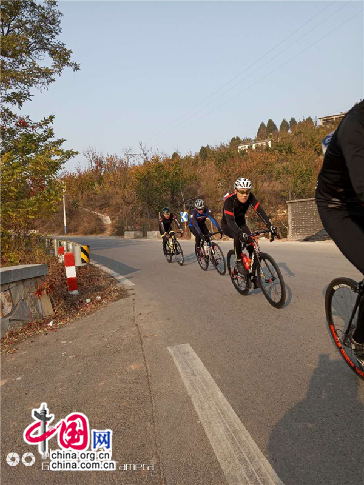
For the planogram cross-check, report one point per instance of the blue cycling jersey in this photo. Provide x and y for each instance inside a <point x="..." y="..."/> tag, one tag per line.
<point x="197" y="220"/>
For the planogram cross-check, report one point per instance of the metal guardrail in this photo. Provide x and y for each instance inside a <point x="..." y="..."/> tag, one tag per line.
<point x="79" y="250"/>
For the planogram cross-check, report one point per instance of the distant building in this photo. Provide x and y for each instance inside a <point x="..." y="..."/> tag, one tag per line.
<point x="255" y="144"/>
<point x="329" y="120"/>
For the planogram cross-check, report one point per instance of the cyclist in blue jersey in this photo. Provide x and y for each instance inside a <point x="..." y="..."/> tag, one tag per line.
<point x="197" y="222"/>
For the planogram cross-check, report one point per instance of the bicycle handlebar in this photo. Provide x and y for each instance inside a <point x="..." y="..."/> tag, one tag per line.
<point x="266" y="231"/>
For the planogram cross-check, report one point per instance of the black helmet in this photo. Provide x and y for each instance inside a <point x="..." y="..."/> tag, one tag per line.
<point x="166" y="210"/>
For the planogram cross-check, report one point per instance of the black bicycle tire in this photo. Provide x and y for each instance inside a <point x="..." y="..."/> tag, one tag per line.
<point x="282" y="300"/>
<point x="330" y="291"/>
<point x="169" y="255"/>
<point x="238" y="289"/>
<point x="176" y="246"/>
<point x="214" y="244"/>
<point x="198" y="257"/>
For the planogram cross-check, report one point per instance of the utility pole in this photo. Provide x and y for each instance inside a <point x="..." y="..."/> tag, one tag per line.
<point x="64" y="213"/>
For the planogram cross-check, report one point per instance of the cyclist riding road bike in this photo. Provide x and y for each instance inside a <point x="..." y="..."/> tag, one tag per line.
<point x="165" y="223"/>
<point x="340" y="196"/>
<point x="233" y="221"/>
<point x="197" y="222"/>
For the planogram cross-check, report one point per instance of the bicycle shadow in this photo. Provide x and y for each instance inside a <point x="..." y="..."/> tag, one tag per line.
<point x="320" y="440"/>
<point x="285" y="268"/>
<point x="190" y="259"/>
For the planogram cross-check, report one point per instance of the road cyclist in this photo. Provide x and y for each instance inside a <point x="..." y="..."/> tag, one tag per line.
<point x="165" y="222"/>
<point x="197" y="223"/>
<point x="340" y="202"/>
<point x="233" y="221"/>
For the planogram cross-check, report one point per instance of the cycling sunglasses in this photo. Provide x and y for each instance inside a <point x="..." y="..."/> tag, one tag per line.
<point x="243" y="192"/>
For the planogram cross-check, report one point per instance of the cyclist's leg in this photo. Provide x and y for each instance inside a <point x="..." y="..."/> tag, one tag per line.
<point x="204" y="230"/>
<point x="197" y="237"/>
<point x="237" y="243"/>
<point x="347" y="231"/>
<point x="164" y="244"/>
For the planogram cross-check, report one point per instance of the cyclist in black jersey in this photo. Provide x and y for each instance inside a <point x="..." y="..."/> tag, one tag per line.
<point x="340" y="195"/>
<point x="165" y="223"/>
<point x="233" y="221"/>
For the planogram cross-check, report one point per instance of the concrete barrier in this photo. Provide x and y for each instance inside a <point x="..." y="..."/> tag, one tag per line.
<point x="153" y="235"/>
<point x="22" y="301"/>
<point x="133" y="234"/>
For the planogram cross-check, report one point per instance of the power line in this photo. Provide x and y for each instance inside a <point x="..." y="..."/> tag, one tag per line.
<point x="289" y="60"/>
<point x="251" y="65"/>
<point x="259" y="68"/>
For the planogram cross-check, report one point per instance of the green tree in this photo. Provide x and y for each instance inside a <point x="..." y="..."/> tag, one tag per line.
<point x="284" y="125"/>
<point x="31" y="57"/>
<point x="29" y="44"/>
<point x="262" y="131"/>
<point x="271" y="127"/>
<point x="292" y="124"/>
<point x="235" y="141"/>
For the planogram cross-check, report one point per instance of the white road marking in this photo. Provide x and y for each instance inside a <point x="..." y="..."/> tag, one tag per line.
<point x="117" y="276"/>
<point x="240" y="458"/>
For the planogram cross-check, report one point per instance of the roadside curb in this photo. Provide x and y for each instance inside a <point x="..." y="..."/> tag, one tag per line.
<point x="121" y="279"/>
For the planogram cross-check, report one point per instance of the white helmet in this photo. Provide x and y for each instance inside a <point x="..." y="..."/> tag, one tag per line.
<point x="242" y="183"/>
<point x="199" y="204"/>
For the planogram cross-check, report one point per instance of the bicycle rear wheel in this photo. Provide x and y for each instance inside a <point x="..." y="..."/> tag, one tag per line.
<point x="178" y="253"/>
<point x="240" y="281"/>
<point x="202" y="258"/>
<point x="340" y="300"/>
<point x="218" y="259"/>
<point x="271" y="281"/>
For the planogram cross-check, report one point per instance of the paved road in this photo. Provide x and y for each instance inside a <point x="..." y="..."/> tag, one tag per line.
<point x="274" y="370"/>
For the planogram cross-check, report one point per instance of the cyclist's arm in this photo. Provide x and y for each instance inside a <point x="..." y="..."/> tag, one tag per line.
<point x="351" y="140"/>
<point x="194" y="223"/>
<point x="230" y="217"/>
<point x="211" y="217"/>
<point x="258" y="209"/>
<point x="161" y="227"/>
<point x="177" y="222"/>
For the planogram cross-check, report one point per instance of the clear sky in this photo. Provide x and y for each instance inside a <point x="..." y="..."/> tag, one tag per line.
<point x="179" y="75"/>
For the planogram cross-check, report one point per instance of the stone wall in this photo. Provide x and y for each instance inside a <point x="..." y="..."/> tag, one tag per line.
<point x="19" y="302"/>
<point x="303" y="218"/>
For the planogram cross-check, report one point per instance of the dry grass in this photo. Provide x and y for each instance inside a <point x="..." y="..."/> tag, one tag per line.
<point x="93" y="284"/>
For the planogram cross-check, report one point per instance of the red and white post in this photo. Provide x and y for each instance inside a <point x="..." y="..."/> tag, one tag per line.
<point x="69" y="262"/>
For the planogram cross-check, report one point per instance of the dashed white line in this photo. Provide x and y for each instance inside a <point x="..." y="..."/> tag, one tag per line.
<point x="240" y="458"/>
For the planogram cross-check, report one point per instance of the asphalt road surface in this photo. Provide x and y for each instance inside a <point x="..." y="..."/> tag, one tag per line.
<point x="236" y="382"/>
<point x="275" y="370"/>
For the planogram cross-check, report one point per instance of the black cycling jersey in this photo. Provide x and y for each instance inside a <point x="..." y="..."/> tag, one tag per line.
<point x="165" y="224"/>
<point x="234" y="212"/>
<point x="341" y="179"/>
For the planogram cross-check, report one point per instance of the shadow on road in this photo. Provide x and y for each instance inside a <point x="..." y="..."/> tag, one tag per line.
<point x="117" y="266"/>
<point x="190" y="259"/>
<point x="98" y="243"/>
<point x="286" y="271"/>
<point x="320" y="440"/>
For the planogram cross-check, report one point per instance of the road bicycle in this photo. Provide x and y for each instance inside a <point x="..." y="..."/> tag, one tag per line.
<point x="261" y="271"/>
<point x="173" y="249"/>
<point x="342" y="300"/>
<point x="209" y="250"/>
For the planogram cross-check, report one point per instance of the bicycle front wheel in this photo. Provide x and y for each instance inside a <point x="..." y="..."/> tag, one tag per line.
<point x="240" y="281"/>
<point x="271" y="281"/>
<point x="340" y="301"/>
<point x="202" y="258"/>
<point x="218" y="259"/>
<point x="178" y="253"/>
<point x="168" y="254"/>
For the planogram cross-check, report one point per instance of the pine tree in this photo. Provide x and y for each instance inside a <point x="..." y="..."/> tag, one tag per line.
<point x="292" y="123"/>
<point x="271" y="126"/>
<point x="284" y="125"/>
<point x="262" y="132"/>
